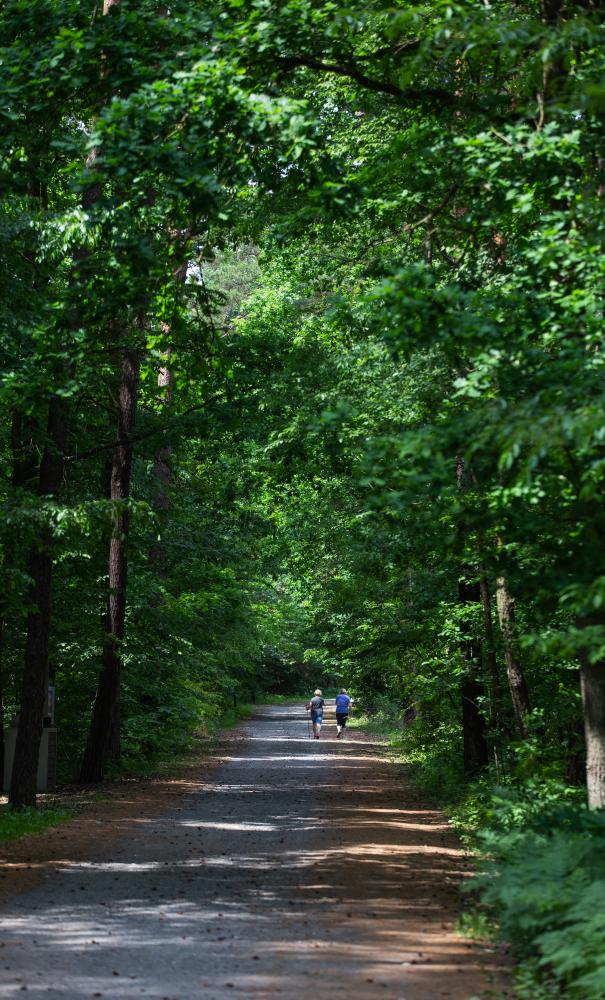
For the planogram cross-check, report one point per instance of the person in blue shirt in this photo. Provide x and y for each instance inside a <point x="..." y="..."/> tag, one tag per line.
<point x="343" y="707"/>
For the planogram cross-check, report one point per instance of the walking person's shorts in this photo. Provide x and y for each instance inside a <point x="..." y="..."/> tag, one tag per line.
<point x="341" y="719"/>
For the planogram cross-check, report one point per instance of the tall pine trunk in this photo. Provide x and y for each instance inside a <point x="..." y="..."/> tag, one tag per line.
<point x="162" y="469"/>
<point x="35" y="672"/>
<point x="2" y="744"/>
<point x="475" y="749"/>
<point x="103" y="735"/>
<point x="23" y="475"/>
<point x="495" y="692"/>
<point x="514" y="671"/>
<point x="493" y="673"/>
<point x="162" y="478"/>
<point x="575" y="769"/>
<point x="40" y="567"/>
<point x="592" y="682"/>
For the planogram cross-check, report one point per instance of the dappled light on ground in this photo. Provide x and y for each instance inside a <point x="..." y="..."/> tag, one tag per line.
<point x="307" y="869"/>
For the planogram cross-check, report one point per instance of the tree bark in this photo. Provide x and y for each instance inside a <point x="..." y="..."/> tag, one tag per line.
<point x="514" y="671"/>
<point x="495" y="692"/>
<point x="592" y="677"/>
<point x="592" y="683"/>
<point x="35" y="673"/>
<point x="24" y="452"/>
<point x="103" y="735"/>
<point x="24" y="475"/>
<point x="162" y="469"/>
<point x="575" y="770"/>
<point x="475" y="749"/>
<point x="2" y="745"/>
<point x="162" y="478"/>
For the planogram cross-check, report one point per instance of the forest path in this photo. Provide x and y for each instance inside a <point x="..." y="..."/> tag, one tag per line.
<point x="299" y="868"/>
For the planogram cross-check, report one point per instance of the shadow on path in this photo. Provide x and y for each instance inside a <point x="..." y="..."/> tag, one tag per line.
<point x="299" y="868"/>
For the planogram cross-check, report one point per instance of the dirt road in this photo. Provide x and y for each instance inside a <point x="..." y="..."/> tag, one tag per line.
<point x="298" y="869"/>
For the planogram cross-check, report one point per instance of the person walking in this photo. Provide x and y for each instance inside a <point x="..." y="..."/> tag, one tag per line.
<point x="343" y="707"/>
<point x="316" y="707"/>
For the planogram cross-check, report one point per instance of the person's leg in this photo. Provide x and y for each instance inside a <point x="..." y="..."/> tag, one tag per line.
<point x="344" y="724"/>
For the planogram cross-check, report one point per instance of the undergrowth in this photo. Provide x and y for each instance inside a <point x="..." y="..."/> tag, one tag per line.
<point x="148" y="749"/>
<point x="540" y="857"/>
<point x="140" y="761"/>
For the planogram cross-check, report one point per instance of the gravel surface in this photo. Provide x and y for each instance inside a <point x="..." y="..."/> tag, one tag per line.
<point x="298" y="868"/>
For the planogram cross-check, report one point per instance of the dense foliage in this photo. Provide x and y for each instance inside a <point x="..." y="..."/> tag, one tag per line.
<point x="303" y="378"/>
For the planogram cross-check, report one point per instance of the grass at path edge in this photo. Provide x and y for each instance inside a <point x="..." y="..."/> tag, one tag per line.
<point x="21" y="822"/>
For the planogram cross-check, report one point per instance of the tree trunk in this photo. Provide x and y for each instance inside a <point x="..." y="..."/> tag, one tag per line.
<point x="475" y="749"/>
<point x="35" y="673"/>
<point x="24" y="452"/>
<point x="575" y="770"/>
<point x="592" y="683"/>
<point x="162" y="477"/>
<point x="495" y="692"/>
<point x="514" y="670"/>
<point x="103" y="735"/>
<point x="2" y="746"/>
<point x="593" y="699"/>
<point x="162" y="469"/>
<point x="493" y="673"/>
<point x="24" y="474"/>
<point x="475" y="752"/>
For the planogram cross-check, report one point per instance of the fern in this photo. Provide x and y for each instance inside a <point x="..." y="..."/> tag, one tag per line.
<point x="545" y="884"/>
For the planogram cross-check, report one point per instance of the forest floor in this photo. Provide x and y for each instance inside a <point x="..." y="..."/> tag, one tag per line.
<point x="283" y="866"/>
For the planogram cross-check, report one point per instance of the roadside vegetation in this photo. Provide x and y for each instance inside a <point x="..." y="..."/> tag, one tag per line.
<point x="20" y="823"/>
<point x="301" y="313"/>
<point x="538" y="850"/>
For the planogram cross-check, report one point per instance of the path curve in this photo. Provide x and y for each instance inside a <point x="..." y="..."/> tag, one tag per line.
<point x="298" y="869"/>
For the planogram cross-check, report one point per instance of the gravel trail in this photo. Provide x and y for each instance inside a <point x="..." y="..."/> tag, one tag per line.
<point x="299" y="868"/>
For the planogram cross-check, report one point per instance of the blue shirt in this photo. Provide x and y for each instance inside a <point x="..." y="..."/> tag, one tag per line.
<point x="342" y="704"/>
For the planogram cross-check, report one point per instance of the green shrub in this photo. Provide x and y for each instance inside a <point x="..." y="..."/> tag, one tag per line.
<point x="544" y="880"/>
<point x="487" y="805"/>
<point x="541" y="883"/>
<point x="434" y="751"/>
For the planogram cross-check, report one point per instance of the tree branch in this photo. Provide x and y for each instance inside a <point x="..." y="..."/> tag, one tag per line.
<point x="133" y="439"/>
<point x="369" y="82"/>
<point x="391" y="50"/>
<point x="430" y="216"/>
